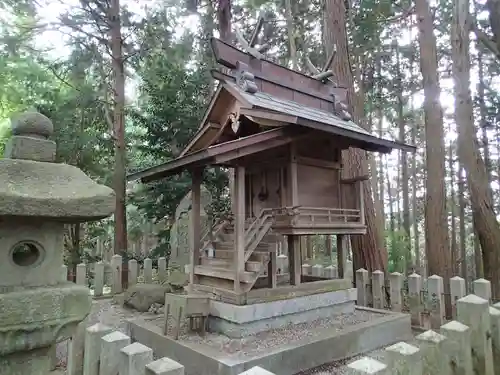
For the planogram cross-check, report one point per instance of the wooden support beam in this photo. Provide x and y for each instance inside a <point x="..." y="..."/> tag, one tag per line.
<point x="272" y="269"/>
<point x="293" y="176"/>
<point x="361" y="189"/>
<point x="197" y="176"/>
<point x="341" y="254"/>
<point x="239" y="225"/>
<point x="294" y="259"/>
<point x="353" y="180"/>
<point x="314" y="162"/>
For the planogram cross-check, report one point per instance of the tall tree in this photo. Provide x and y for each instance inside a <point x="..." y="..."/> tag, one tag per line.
<point x="436" y="222"/>
<point x="119" y="178"/>
<point x="484" y="218"/>
<point x="403" y="157"/>
<point x="368" y="251"/>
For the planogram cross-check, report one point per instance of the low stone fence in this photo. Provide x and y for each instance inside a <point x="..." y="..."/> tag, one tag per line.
<point x="468" y="345"/>
<point x="102" y="351"/>
<point x="111" y="278"/>
<point x="423" y="298"/>
<point x="318" y="270"/>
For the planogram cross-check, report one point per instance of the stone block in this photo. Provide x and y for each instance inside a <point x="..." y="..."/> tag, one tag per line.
<point x="495" y="337"/>
<point x="134" y="358"/>
<point x="93" y="348"/>
<point x="367" y="366"/>
<point x="282" y="264"/>
<point x="330" y="272"/>
<point x="482" y="288"/>
<point x="378" y="291"/>
<point x="116" y="272"/>
<point x="458" y="347"/>
<point x="457" y="291"/>
<point x="22" y="147"/>
<point x="98" y="279"/>
<point x="111" y="344"/>
<point x="434" y="359"/>
<point x="435" y="301"/>
<point x="148" y="271"/>
<point x="64" y="273"/>
<point x="76" y="350"/>
<point x="317" y="270"/>
<point x="162" y="269"/>
<point x="404" y="359"/>
<point x="132" y="272"/>
<point x="414" y="298"/>
<point x="257" y="370"/>
<point x="81" y="274"/>
<point x="306" y="269"/>
<point x="362" y="281"/>
<point x="473" y="311"/>
<point x="395" y="287"/>
<point x="164" y="366"/>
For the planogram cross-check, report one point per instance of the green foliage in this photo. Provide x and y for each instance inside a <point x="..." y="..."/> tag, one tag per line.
<point x="397" y="245"/>
<point x="172" y="101"/>
<point x="4" y="136"/>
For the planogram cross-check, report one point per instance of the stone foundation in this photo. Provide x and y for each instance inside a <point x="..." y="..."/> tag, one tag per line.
<point x="321" y="345"/>
<point x="240" y="321"/>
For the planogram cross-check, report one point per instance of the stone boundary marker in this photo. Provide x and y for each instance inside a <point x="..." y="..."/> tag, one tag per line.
<point x="109" y="274"/>
<point x="468" y="345"/>
<point x="108" y="352"/>
<point x="422" y="297"/>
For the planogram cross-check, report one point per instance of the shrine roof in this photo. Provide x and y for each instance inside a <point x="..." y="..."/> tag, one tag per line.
<point x="274" y="97"/>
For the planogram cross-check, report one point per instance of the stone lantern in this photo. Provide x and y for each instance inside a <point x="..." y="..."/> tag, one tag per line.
<point x="37" y="198"/>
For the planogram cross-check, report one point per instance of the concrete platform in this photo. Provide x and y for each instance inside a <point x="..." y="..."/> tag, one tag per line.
<point x="322" y="345"/>
<point x="241" y="321"/>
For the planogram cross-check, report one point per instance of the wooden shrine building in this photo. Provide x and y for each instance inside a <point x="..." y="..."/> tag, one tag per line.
<point x="283" y="133"/>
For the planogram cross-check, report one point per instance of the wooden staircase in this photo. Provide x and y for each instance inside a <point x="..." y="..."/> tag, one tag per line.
<point x="218" y="271"/>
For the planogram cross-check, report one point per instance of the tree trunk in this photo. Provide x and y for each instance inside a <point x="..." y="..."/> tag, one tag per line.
<point x="367" y="249"/>
<point x="416" y="234"/>
<point x="461" y="215"/>
<point x="380" y="129"/>
<point x="493" y="7"/>
<point x="451" y="209"/>
<point x="119" y="181"/>
<point x="291" y="35"/>
<point x="436" y="222"/>
<point x="484" y="218"/>
<point x="483" y="115"/>
<point x="392" y="215"/>
<point x="403" y="163"/>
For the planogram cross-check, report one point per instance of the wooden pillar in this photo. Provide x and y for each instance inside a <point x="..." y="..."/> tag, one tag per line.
<point x="294" y="258"/>
<point x="295" y="266"/>
<point x="272" y="269"/>
<point x="197" y="176"/>
<point x="361" y="190"/>
<point x="239" y="225"/>
<point x="328" y="246"/>
<point x="341" y="254"/>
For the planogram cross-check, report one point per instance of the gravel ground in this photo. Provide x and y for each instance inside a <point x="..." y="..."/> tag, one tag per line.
<point x="105" y="312"/>
<point x="340" y="367"/>
<point x="255" y="345"/>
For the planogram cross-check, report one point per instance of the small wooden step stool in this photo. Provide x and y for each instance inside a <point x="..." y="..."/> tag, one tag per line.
<point x="182" y="306"/>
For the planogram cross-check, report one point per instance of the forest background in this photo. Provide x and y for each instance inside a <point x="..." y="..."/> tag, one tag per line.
<point x="126" y="83"/>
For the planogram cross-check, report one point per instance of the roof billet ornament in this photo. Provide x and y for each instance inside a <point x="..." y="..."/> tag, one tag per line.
<point x="325" y="75"/>
<point x="249" y="46"/>
<point x="245" y="79"/>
